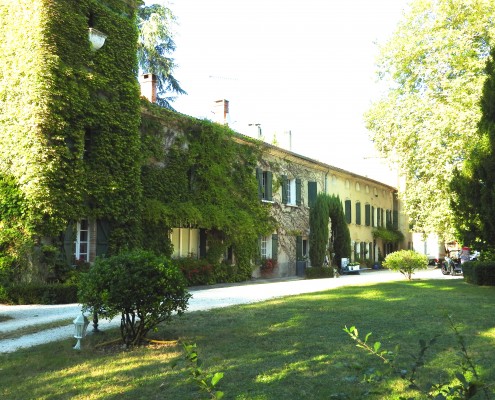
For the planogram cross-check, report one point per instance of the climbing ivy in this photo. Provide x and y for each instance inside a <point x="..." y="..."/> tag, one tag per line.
<point x="69" y="137"/>
<point x="205" y="178"/>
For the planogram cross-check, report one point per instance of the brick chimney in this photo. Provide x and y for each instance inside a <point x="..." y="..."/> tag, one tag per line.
<point x="148" y="86"/>
<point x="221" y="111"/>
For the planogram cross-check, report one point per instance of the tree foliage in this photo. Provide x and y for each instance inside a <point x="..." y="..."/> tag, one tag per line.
<point x="143" y="288"/>
<point x="205" y="178"/>
<point x="432" y="70"/>
<point x="328" y="208"/>
<point x="155" y="47"/>
<point x="473" y="186"/>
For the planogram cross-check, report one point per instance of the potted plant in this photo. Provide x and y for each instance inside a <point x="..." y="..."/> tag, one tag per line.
<point x="354" y="266"/>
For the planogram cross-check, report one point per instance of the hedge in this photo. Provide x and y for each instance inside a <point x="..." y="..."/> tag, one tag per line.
<point x="42" y="294"/>
<point x="318" y="272"/>
<point x="479" y="272"/>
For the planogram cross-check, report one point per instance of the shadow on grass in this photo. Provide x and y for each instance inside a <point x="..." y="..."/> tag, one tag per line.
<point x="284" y="348"/>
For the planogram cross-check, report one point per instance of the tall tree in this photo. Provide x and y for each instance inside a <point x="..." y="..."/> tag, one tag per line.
<point x="426" y="120"/>
<point x="328" y="209"/>
<point x="473" y="186"/>
<point x="155" y="47"/>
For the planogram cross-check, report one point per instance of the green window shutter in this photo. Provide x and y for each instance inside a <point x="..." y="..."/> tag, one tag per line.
<point x="102" y="235"/>
<point x="372" y="216"/>
<point x="259" y="179"/>
<point x="285" y="183"/>
<point x="367" y="214"/>
<point x="396" y="220"/>
<point x="299" y="243"/>
<point x="275" y="247"/>
<point x="298" y="192"/>
<point x="382" y="211"/>
<point x="268" y="186"/>
<point x="348" y="216"/>
<point x="358" y="213"/>
<point x="312" y="193"/>
<point x="378" y="219"/>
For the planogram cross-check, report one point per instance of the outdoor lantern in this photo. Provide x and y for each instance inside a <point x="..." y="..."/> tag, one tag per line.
<point x="96" y="38"/>
<point x="80" y="324"/>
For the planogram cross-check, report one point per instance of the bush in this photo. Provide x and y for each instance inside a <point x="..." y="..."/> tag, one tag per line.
<point x="319" y="272"/>
<point x="406" y="262"/>
<point x="55" y="293"/>
<point x="479" y="272"/>
<point x="143" y="288"/>
<point x="196" y="271"/>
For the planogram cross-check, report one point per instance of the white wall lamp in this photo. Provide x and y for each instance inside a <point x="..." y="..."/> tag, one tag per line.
<point x="96" y="38"/>
<point x="80" y="326"/>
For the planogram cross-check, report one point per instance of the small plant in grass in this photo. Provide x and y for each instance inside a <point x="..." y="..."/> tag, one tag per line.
<point x="464" y="385"/>
<point x="406" y="262"/>
<point x="206" y="382"/>
<point x="143" y="288"/>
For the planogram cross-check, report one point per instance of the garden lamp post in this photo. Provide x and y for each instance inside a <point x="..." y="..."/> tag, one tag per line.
<point x="80" y="325"/>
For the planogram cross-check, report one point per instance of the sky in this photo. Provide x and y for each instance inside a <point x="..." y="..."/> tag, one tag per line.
<point x="301" y="66"/>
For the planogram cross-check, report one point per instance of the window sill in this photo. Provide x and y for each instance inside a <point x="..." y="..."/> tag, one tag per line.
<point x="267" y="201"/>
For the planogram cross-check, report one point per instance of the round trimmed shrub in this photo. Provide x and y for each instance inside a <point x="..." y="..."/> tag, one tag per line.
<point x="143" y="288"/>
<point x="406" y="262"/>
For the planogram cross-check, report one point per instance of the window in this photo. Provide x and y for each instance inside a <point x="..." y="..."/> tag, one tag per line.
<point x="264" y="179"/>
<point x="301" y="248"/>
<point x="358" y="187"/>
<point x="358" y="213"/>
<point x="82" y="240"/>
<point x="264" y="247"/>
<point x="348" y="213"/>
<point x="269" y="247"/>
<point x="291" y="191"/>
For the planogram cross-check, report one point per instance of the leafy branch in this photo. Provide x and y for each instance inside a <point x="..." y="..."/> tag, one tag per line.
<point x="206" y="382"/>
<point x="465" y="384"/>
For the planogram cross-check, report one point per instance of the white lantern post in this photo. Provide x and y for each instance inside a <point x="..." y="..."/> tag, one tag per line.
<point x="80" y="324"/>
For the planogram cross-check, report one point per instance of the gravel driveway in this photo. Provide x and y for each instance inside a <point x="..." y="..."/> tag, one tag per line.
<point x="203" y="298"/>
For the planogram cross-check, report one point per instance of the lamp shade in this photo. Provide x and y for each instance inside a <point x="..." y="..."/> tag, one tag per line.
<point x="96" y="38"/>
<point x="80" y="325"/>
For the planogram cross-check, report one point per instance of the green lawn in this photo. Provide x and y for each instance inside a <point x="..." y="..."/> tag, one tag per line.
<point x="291" y="348"/>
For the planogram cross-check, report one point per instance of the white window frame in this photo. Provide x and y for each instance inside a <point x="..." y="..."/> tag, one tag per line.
<point x="266" y="247"/>
<point x="83" y="239"/>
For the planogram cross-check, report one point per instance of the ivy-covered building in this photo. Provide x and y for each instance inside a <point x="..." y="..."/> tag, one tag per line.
<point x="69" y="129"/>
<point x="88" y="168"/>
<point x="287" y="186"/>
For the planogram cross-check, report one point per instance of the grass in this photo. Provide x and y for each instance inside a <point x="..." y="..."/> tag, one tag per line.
<point x="287" y="348"/>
